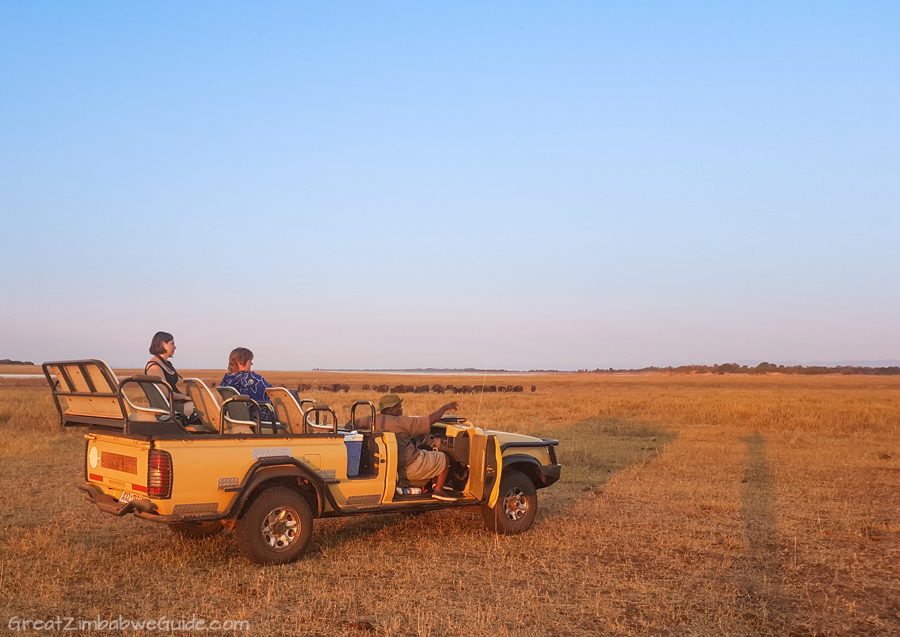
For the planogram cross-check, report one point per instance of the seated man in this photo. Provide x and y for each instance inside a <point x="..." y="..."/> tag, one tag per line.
<point x="416" y="464"/>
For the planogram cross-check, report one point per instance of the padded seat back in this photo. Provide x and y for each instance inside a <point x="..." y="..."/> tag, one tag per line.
<point x="209" y="407"/>
<point x="236" y="411"/>
<point x="287" y="409"/>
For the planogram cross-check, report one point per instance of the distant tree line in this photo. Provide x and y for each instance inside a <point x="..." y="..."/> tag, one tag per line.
<point x="762" y="368"/>
<point x="7" y="361"/>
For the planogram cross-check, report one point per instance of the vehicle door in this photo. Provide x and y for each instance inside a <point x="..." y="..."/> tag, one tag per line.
<point x="485" y="466"/>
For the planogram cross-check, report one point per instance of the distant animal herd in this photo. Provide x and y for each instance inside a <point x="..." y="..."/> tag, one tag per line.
<point x="417" y="389"/>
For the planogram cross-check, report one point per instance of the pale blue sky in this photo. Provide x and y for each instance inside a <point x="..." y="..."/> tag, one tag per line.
<point x="518" y="185"/>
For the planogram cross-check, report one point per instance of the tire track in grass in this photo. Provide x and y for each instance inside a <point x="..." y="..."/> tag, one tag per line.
<point x="767" y="606"/>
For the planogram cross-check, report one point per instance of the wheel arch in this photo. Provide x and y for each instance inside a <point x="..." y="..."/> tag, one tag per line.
<point x="289" y="476"/>
<point x="528" y="465"/>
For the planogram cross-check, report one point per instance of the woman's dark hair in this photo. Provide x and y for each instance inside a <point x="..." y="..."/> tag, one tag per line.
<point x="238" y="356"/>
<point x="156" y="345"/>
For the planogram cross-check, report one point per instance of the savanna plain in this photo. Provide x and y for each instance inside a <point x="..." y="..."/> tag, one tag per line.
<point x="689" y="505"/>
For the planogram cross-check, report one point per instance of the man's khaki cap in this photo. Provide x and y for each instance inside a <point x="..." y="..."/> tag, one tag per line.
<point x="389" y="400"/>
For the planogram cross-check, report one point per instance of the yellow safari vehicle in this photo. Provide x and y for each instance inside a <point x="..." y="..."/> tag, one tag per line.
<point x="268" y="480"/>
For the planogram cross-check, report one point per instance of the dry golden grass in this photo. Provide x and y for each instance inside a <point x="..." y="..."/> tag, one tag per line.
<point x="692" y="505"/>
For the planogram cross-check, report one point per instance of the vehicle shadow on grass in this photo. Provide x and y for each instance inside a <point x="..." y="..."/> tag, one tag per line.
<point x="594" y="450"/>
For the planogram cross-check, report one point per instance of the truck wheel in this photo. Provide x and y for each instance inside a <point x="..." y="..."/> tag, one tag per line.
<point x="195" y="530"/>
<point x="277" y="527"/>
<point x="516" y="505"/>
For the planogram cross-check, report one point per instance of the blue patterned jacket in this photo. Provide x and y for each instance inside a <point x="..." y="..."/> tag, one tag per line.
<point x="250" y="384"/>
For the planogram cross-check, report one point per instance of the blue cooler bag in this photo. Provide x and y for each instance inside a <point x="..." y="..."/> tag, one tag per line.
<point x="354" y="442"/>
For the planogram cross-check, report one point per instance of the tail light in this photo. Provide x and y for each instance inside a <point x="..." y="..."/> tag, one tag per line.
<point x="159" y="475"/>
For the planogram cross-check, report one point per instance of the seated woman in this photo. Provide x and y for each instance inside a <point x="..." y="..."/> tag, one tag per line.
<point x="163" y="348"/>
<point x="246" y="382"/>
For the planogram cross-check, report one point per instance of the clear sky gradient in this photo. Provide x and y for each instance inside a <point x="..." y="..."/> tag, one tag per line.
<point x="513" y="185"/>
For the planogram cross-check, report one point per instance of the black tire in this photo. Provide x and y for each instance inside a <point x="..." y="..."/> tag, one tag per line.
<point x="276" y="528"/>
<point x="516" y="505"/>
<point x="196" y="530"/>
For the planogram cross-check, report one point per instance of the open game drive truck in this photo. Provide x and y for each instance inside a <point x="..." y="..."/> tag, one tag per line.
<point x="268" y="480"/>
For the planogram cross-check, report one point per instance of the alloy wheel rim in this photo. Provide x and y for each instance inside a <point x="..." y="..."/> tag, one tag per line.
<point x="281" y="528"/>
<point x="515" y="504"/>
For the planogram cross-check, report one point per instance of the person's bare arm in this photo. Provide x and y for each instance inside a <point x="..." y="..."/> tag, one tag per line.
<point x="433" y="418"/>
<point x="155" y="369"/>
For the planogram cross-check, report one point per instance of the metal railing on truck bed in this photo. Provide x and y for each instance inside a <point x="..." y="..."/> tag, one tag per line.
<point x="88" y="394"/>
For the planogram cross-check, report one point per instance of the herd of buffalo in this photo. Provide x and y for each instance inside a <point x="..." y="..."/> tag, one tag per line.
<point x="418" y="389"/>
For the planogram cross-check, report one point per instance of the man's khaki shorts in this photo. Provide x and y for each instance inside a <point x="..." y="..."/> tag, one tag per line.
<point x="426" y="465"/>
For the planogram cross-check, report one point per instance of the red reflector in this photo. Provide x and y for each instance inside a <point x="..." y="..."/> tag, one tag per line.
<point x="159" y="474"/>
<point x="95" y="477"/>
<point x="139" y="487"/>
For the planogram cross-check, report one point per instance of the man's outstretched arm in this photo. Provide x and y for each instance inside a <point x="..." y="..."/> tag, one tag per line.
<point x="433" y="418"/>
